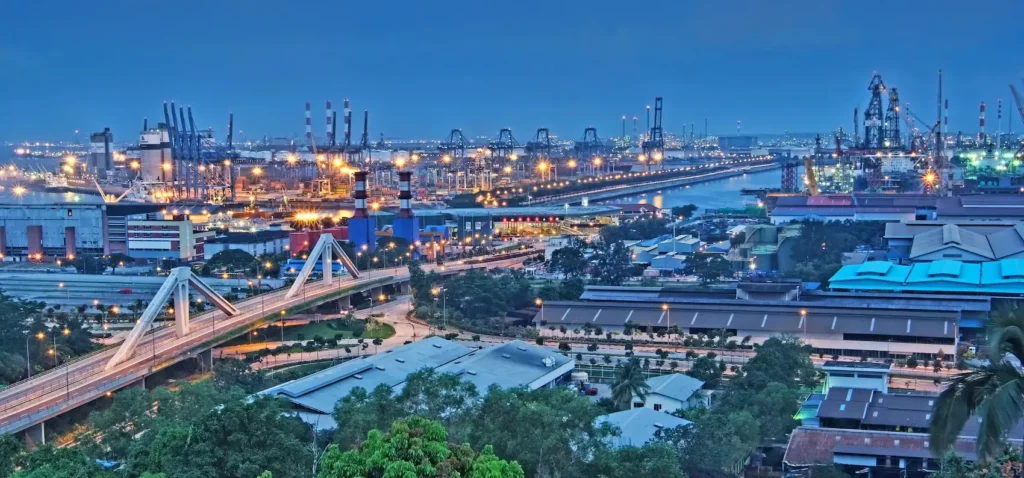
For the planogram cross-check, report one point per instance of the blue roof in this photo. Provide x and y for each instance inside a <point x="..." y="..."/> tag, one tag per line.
<point x="639" y="425"/>
<point x="994" y="277"/>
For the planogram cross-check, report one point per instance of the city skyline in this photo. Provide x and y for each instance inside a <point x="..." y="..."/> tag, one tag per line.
<point x="422" y="70"/>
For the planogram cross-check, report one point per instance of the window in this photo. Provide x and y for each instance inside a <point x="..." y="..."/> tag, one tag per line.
<point x="657" y="407"/>
<point x="69" y="213"/>
<point x="638" y="404"/>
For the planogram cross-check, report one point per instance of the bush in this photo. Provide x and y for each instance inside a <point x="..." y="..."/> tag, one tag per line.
<point x="476" y="338"/>
<point x="690" y="354"/>
<point x="300" y="337"/>
<point x="449" y="336"/>
<point x="912" y="362"/>
<point x="712" y="355"/>
<point x="540" y="341"/>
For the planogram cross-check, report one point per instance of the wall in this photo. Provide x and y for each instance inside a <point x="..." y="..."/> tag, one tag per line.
<point x="87" y="220"/>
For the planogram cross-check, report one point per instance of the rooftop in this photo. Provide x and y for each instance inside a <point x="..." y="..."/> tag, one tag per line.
<point x="1004" y="276"/>
<point x="818" y="446"/>
<point x="639" y="425"/>
<point x="537" y="211"/>
<point x="677" y="385"/>
<point x="512" y="364"/>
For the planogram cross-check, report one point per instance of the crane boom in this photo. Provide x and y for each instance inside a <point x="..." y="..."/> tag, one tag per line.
<point x="1018" y="101"/>
<point x="812" y="180"/>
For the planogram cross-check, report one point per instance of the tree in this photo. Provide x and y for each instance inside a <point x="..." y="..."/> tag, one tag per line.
<point x="414" y="447"/>
<point x="234" y="372"/>
<point x="718" y="442"/>
<point x="995" y="393"/>
<point x="118" y="259"/>
<point x="709" y="268"/>
<point x="784" y="359"/>
<point x="10" y="448"/>
<point x="629" y="383"/>
<point x="568" y="260"/>
<point x="684" y="212"/>
<point x="549" y="431"/>
<point x="230" y="260"/>
<point x="653" y="460"/>
<point x="613" y="264"/>
<point x="51" y="462"/>
<point x="706" y="370"/>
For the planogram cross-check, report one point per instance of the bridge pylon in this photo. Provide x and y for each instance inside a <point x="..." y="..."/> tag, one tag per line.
<point x="176" y="287"/>
<point x="322" y="251"/>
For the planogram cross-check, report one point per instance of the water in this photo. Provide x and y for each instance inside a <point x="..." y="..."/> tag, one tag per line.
<point x="719" y="193"/>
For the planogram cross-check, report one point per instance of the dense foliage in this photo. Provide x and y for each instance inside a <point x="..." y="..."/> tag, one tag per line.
<point x="820" y="246"/>
<point x="45" y="337"/>
<point x="757" y="405"/>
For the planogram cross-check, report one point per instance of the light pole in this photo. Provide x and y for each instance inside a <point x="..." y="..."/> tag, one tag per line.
<point x="444" y="303"/>
<point x="540" y="303"/>
<point x="28" y="362"/>
<point x="668" y="318"/>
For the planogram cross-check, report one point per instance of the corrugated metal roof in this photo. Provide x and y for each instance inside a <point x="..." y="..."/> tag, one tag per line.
<point x="639" y="425"/>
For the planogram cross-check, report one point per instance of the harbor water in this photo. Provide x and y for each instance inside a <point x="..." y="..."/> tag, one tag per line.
<point x="718" y="193"/>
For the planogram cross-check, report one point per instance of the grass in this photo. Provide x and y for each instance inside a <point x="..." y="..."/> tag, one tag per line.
<point x="328" y="329"/>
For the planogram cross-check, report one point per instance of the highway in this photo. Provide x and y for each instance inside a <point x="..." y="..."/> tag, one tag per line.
<point x="84" y="379"/>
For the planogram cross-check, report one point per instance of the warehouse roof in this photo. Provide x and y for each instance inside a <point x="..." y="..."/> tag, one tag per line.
<point x="249" y="237"/>
<point x="751" y="315"/>
<point x="950" y="236"/>
<point x="1004" y="276"/>
<point x="816" y="446"/>
<point x="639" y="425"/>
<point x="512" y="364"/>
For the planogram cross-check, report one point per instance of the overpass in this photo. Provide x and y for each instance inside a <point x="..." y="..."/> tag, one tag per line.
<point x="26" y="405"/>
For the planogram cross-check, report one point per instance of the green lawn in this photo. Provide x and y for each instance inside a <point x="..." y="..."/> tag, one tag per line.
<point x="328" y="329"/>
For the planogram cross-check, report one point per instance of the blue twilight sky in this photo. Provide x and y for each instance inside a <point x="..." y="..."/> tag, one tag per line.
<point x="423" y="67"/>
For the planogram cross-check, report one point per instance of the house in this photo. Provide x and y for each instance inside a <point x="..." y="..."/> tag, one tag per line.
<point x="672" y="392"/>
<point x="638" y="426"/>
<point x="668" y="262"/>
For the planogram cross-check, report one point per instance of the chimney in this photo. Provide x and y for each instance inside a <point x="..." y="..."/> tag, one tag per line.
<point x="359" y="194"/>
<point x="405" y="194"/>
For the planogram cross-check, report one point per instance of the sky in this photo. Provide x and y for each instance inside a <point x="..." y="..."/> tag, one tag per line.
<point x="422" y="68"/>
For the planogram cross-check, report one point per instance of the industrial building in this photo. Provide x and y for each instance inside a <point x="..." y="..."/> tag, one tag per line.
<point x="899" y="236"/>
<point x="856" y="423"/>
<point x="33" y="231"/>
<point x="849" y="325"/>
<point x="509" y="365"/>
<point x="1002" y="278"/>
<point x="854" y="207"/>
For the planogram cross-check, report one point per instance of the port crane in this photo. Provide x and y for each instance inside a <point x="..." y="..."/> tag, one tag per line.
<point x="1019" y="102"/>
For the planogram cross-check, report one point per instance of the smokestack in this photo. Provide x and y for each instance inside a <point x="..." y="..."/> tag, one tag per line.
<point x="330" y="122"/>
<point x="231" y="130"/>
<point x="981" y="122"/>
<point x="945" y="115"/>
<point x="309" y="125"/>
<point x="348" y="124"/>
<point x="404" y="194"/>
<point x="145" y="124"/>
<point x="999" y="124"/>
<point x="856" y="127"/>
<point x="359" y="194"/>
<point x="623" y="126"/>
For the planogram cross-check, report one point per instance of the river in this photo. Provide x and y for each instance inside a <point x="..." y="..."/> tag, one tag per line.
<point x="718" y="193"/>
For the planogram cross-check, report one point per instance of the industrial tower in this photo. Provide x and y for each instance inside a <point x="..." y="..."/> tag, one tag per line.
<point x="654" y="147"/>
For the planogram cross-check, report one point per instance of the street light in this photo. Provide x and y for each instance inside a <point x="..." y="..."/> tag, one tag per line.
<point x="668" y="315"/>
<point x="540" y="303"/>
<point x="444" y="303"/>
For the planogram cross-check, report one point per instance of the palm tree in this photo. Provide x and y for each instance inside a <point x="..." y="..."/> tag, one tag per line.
<point x="629" y="383"/>
<point x="994" y="393"/>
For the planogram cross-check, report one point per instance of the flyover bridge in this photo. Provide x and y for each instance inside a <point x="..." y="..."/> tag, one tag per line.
<point x="149" y="348"/>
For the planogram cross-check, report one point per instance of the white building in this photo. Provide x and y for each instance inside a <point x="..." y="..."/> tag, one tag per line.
<point x="672" y="392"/>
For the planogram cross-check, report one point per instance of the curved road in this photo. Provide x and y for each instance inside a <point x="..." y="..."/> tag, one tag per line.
<point x="49" y="394"/>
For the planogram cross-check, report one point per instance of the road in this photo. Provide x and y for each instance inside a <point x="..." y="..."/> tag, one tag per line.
<point x="51" y="393"/>
<point x="394" y="314"/>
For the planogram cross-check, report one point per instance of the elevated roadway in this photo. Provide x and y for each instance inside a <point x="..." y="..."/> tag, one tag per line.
<point x="31" y="402"/>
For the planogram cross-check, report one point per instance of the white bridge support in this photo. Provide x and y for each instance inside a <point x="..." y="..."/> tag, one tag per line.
<point x="177" y="287"/>
<point x="322" y="252"/>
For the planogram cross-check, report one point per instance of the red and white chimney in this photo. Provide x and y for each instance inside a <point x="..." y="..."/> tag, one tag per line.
<point x="359" y="195"/>
<point x="404" y="194"/>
